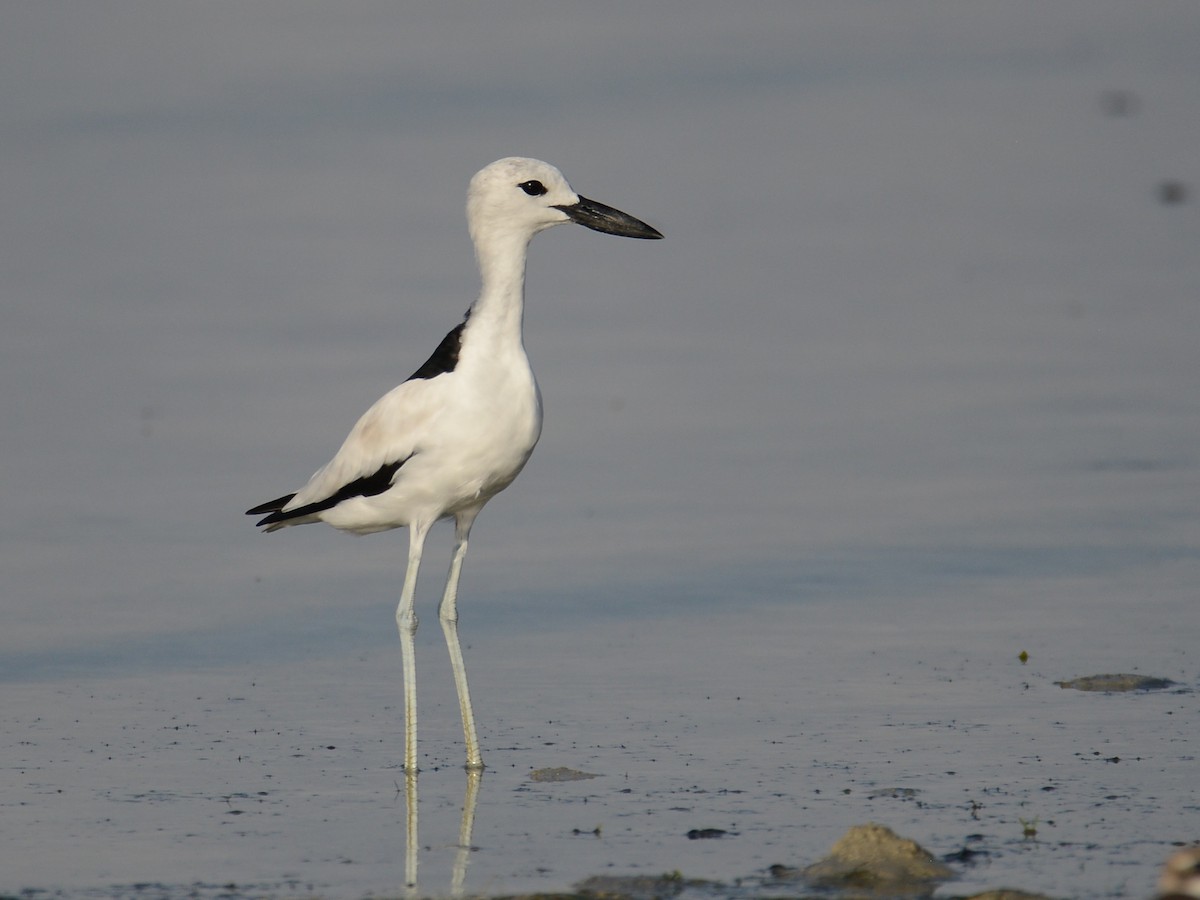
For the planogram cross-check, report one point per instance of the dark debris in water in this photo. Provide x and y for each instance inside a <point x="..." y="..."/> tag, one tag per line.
<point x="967" y="857"/>
<point x="706" y="834"/>
<point x="559" y="773"/>
<point x="780" y="872"/>
<point x="1172" y="192"/>
<point x="895" y="793"/>
<point x="637" y="887"/>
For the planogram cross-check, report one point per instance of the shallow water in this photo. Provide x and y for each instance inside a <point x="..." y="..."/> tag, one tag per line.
<point x="909" y="388"/>
<point x="284" y="778"/>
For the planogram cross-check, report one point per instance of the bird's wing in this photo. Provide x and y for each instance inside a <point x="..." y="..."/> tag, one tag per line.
<point x="387" y="435"/>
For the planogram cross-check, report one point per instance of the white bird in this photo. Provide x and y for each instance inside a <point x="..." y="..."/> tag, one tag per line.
<point x="461" y="428"/>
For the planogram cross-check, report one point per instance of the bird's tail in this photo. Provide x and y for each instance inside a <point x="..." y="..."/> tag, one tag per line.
<point x="277" y="518"/>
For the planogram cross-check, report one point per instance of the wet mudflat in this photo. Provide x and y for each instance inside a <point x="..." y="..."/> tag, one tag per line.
<point x="746" y="757"/>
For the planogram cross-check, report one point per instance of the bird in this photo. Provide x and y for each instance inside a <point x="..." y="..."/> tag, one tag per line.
<point x="459" y="430"/>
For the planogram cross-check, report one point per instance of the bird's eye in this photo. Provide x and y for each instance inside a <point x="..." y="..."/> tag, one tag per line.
<point x="532" y="188"/>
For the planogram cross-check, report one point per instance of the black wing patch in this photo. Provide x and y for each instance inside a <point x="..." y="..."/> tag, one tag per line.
<point x="367" y="486"/>
<point x="443" y="360"/>
<point x="445" y="357"/>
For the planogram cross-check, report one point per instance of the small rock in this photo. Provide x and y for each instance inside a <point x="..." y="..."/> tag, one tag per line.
<point x="1181" y="874"/>
<point x="872" y="856"/>
<point x="1116" y="683"/>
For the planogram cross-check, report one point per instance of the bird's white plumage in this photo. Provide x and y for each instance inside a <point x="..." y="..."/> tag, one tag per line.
<point x="461" y="429"/>
<point x="463" y="437"/>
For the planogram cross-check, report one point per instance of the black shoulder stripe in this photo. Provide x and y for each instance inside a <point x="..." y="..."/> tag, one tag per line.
<point x="445" y="357"/>
<point x="367" y="486"/>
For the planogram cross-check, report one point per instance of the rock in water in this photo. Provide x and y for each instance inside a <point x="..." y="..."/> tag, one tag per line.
<point x="875" y="856"/>
<point x="1117" y="683"/>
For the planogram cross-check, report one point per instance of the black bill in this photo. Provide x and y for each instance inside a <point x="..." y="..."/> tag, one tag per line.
<point x="599" y="217"/>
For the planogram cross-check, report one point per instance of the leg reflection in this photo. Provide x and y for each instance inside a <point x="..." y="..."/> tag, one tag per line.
<point x="470" y="798"/>
<point x="410" y="841"/>
<point x="465" y="829"/>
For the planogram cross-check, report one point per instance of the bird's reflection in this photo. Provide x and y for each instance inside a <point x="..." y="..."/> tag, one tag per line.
<point x="466" y="827"/>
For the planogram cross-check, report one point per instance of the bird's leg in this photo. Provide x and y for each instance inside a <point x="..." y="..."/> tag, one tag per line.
<point x="406" y="621"/>
<point x="448" y="614"/>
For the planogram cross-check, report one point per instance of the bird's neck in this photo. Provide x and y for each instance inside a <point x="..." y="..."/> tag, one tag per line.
<point x="500" y="307"/>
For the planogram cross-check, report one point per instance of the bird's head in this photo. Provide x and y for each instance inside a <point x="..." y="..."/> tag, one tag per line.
<point x="523" y="196"/>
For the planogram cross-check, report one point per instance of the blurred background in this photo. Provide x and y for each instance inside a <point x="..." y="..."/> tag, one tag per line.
<point x="927" y="304"/>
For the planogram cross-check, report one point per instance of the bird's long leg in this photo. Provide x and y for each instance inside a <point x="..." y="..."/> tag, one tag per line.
<point x="406" y="621"/>
<point x="448" y="614"/>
